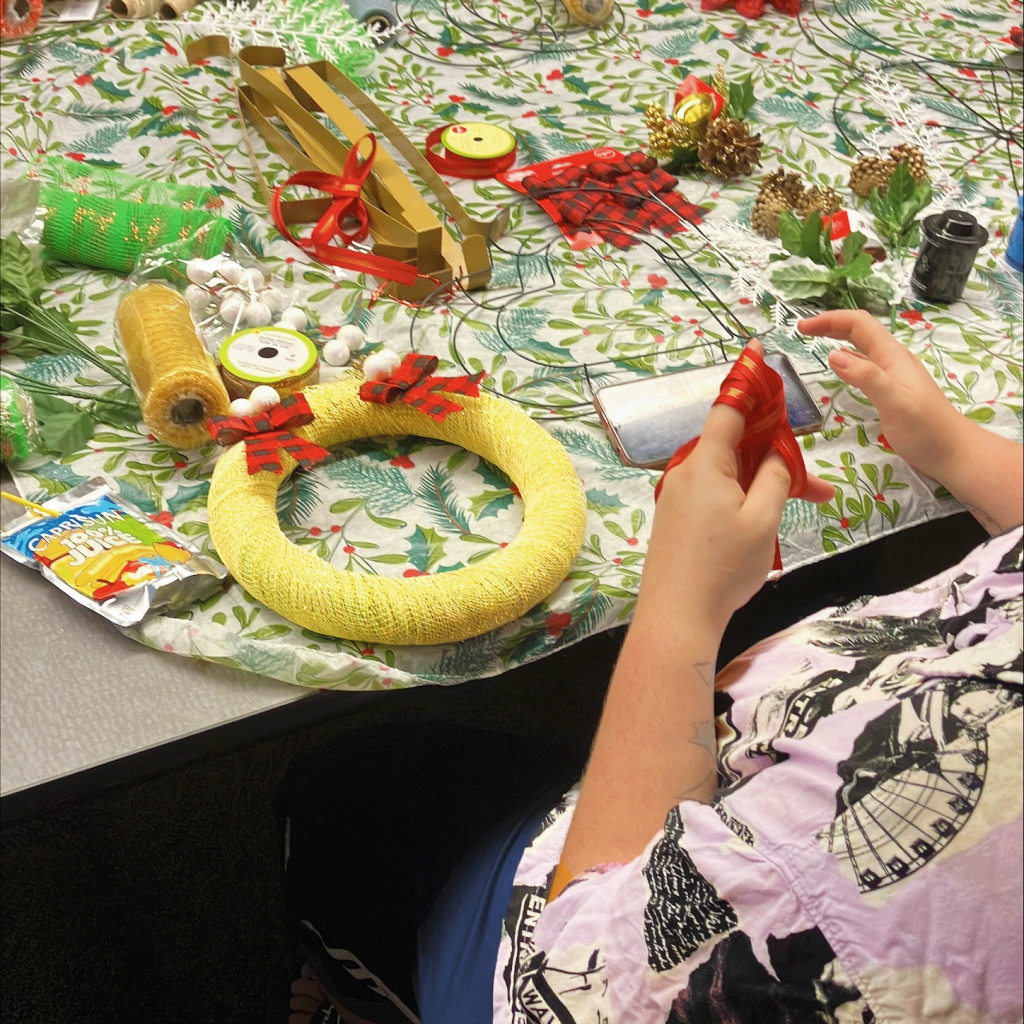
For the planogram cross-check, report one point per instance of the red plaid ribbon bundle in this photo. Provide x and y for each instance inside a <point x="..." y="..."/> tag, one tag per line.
<point x="267" y="434"/>
<point x="757" y="391"/>
<point x="414" y="384"/>
<point x="614" y="198"/>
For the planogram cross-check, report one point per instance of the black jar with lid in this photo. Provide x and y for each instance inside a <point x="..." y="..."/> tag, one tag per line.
<point x="949" y="243"/>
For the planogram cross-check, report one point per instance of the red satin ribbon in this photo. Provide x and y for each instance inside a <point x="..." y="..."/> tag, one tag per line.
<point x="457" y="166"/>
<point x="346" y="189"/>
<point x="756" y="390"/>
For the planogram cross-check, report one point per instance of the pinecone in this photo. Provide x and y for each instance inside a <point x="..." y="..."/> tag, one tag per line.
<point x="823" y="200"/>
<point x="788" y="186"/>
<point x="764" y="218"/>
<point x="918" y="166"/>
<point x="871" y="172"/>
<point x="728" y="149"/>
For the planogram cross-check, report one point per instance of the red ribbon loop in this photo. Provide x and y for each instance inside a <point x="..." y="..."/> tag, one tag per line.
<point x="414" y="384"/>
<point x="756" y="390"/>
<point x="267" y="433"/>
<point x="346" y="190"/>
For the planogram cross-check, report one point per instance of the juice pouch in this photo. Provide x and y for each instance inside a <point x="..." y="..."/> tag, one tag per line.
<point x="105" y="553"/>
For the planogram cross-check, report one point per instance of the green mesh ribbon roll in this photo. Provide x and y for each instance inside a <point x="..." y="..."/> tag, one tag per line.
<point x="111" y="234"/>
<point x="19" y="431"/>
<point x="85" y="180"/>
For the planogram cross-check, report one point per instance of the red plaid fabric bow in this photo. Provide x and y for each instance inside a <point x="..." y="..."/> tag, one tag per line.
<point x="614" y="198"/>
<point x="346" y="191"/>
<point x="757" y="391"/>
<point x="267" y="434"/>
<point x="414" y="384"/>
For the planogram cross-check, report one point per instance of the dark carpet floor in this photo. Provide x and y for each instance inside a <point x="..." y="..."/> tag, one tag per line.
<point x="157" y="902"/>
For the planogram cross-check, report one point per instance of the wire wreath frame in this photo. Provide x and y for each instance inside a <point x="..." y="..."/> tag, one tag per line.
<point x="429" y="609"/>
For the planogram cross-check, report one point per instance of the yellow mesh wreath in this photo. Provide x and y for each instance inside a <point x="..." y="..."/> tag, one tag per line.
<point x="435" y="609"/>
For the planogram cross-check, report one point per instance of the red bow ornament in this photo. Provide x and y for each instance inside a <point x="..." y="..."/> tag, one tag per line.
<point x="757" y="391"/>
<point x="347" y="208"/>
<point x="754" y="8"/>
<point x="413" y="383"/>
<point x="268" y="434"/>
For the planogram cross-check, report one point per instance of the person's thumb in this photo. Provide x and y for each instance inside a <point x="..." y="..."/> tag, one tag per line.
<point x="862" y="373"/>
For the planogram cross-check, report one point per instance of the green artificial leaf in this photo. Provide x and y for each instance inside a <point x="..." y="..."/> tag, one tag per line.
<point x="741" y="97"/>
<point x="21" y="280"/>
<point x="67" y="432"/>
<point x="859" y="267"/>
<point x="902" y="187"/>
<point x="790" y="233"/>
<point x="799" y="278"/>
<point x="878" y="203"/>
<point x="853" y="244"/>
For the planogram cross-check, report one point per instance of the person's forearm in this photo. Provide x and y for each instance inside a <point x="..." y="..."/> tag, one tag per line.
<point x="985" y="473"/>
<point x="655" y="745"/>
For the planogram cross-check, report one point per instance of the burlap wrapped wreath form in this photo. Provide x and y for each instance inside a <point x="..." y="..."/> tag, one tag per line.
<point x="430" y="609"/>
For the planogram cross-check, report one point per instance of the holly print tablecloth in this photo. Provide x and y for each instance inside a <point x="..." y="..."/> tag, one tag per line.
<point x="845" y="78"/>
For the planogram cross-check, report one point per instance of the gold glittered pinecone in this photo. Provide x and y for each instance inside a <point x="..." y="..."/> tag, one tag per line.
<point x="788" y="186"/>
<point x="728" y="149"/>
<point x="764" y="217"/>
<point x="916" y="162"/>
<point x="871" y="172"/>
<point x="823" y="200"/>
<point x="664" y="136"/>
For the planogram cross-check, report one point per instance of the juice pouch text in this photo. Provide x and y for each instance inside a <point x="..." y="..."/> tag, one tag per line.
<point x="100" y="549"/>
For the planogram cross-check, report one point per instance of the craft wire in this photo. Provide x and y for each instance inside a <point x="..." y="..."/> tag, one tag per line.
<point x="514" y="38"/>
<point x="577" y="410"/>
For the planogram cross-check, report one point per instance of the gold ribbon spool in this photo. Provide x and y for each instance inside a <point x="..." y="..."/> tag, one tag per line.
<point x="282" y="358"/>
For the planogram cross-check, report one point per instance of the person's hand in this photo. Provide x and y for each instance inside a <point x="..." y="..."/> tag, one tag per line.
<point x="712" y="545"/>
<point x="918" y="421"/>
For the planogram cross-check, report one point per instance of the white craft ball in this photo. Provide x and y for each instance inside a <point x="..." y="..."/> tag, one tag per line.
<point x="251" y="279"/>
<point x="199" y="271"/>
<point x="352" y="336"/>
<point x="231" y="308"/>
<point x="198" y="298"/>
<point x="264" y="397"/>
<point x="381" y="364"/>
<point x="231" y="271"/>
<point x="256" y="314"/>
<point x="294" y="318"/>
<point x="336" y="352"/>
<point x="273" y="298"/>
<point x="242" y="407"/>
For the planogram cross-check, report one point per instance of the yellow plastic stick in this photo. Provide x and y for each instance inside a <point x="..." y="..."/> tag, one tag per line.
<point x="28" y="504"/>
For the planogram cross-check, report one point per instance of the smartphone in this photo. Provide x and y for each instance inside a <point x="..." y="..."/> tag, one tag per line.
<point x="647" y="420"/>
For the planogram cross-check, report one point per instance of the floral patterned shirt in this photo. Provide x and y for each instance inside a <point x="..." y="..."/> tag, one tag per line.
<point x="861" y="860"/>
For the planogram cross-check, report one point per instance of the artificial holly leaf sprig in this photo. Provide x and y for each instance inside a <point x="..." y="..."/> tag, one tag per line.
<point x="741" y="98"/>
<point x="812" y="270"/>
<point x="897" y="208"/>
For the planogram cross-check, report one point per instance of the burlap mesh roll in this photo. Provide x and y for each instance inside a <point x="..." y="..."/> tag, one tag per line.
<point x="175" y="378"/>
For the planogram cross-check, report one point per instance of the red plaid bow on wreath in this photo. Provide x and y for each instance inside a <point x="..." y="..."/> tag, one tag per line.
<point x="267" y="434"/>
<point x="616" y="198"/>
<point x="413" y="384"/>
